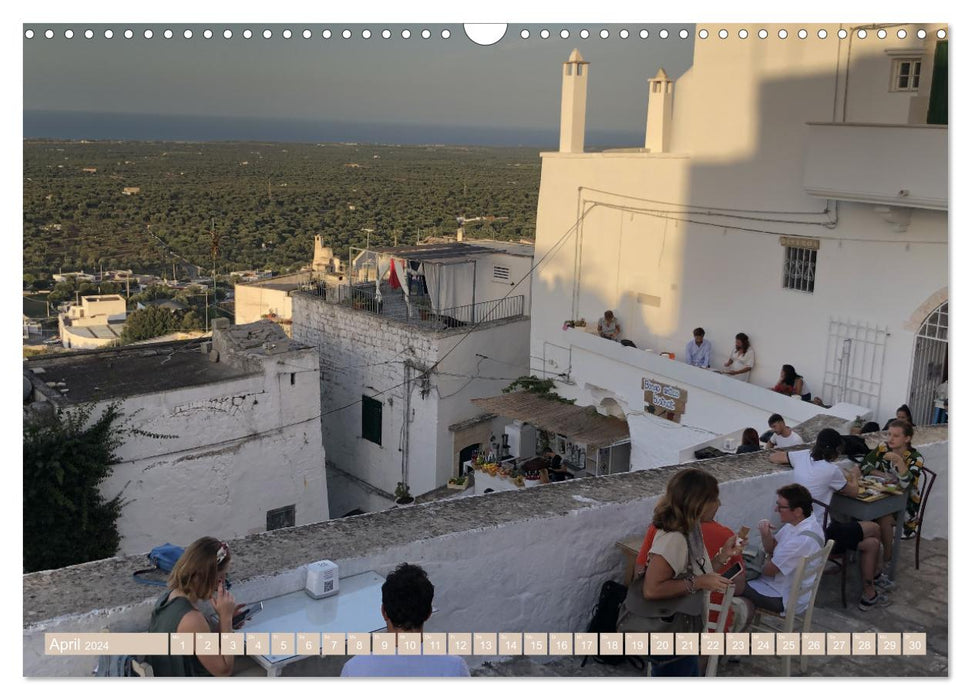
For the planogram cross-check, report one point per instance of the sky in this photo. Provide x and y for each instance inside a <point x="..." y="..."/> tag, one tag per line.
<point x="513" y="84"/>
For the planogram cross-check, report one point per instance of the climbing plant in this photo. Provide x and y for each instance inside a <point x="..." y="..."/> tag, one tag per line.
<point x="535" y="385"/>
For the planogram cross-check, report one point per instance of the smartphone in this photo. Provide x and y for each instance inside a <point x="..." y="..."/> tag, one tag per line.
<point x="733" y="571"/>
<point x="246" y="614"/>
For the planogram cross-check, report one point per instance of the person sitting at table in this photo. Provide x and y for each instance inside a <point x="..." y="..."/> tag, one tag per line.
<point x="903" y="413"/>
<point x="863" y="537"/>
<point x="816" y="469"/>
<point x="555" y="471"/>
<point x="199" y="574"/>
<point x="782" y="434"/>
<point x="698" y="351"/>
<point x="792" y="384"/>
<point x="899" y="463"/>
<point x="406" y="605"/>
<point x="742" y="359"/>
<point x="608" y="326"/>
<point x="750" y="442"/>
<point x="800" y="536"/>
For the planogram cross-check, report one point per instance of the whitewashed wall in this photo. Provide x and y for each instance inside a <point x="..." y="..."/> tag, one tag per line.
<point x="236" y="449"/>
<point x="253" y="302"/>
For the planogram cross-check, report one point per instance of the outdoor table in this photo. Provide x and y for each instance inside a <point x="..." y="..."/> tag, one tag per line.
<point x="355" y="608"/>
<point x="871" y="510"/>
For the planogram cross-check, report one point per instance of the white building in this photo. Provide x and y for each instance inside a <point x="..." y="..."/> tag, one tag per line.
<point x="792" y="190"/>
<point x="95" y="322"/>
<point x="228" y="434"/>
<point x="405" y="343"/>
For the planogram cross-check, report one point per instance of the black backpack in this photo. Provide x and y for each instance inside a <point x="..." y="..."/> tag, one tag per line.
<point x="855" y="447"/>
<point x="604" y="619"/>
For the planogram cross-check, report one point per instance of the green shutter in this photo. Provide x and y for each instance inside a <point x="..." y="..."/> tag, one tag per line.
<point x="371" y="419"/>
<point x="937" y="110"/>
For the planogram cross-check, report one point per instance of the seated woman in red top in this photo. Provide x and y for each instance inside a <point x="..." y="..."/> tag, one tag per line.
<point x="792" y="384"/>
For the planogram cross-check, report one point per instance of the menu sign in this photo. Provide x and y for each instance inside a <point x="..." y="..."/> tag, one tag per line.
<point x="664" y="397"/>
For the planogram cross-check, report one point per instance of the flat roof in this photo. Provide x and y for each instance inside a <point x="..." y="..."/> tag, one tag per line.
<point x="110" y="374"/>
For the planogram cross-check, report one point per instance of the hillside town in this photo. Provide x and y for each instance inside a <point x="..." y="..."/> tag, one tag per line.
<point x="769" y="267"/>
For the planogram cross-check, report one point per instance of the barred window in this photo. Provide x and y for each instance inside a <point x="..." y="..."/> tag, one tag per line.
<point x="799" y="270"/>
<point x="281" y="517"/>
<point x="906" y="75"/>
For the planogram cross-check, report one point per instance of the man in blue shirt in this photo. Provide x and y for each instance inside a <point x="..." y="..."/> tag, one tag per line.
<point x="698" y="351"/>
<point x="406" y="604"/>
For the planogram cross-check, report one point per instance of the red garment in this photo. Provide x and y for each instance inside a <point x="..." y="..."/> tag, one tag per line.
<point x="393" y="278"/>
<point x="783" y="389"/>
<point x="714" y="535"/>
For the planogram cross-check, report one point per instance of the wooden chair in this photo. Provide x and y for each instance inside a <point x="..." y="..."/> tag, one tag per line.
<point x="842" y="558"/>
<point x="929" y="479"/>
<point x="805" y="578"/>
<point x="718" y="626"/>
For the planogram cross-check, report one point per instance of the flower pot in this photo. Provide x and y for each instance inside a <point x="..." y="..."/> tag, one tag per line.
<point x="458" y="487"/>
<point x="404" y="502"/>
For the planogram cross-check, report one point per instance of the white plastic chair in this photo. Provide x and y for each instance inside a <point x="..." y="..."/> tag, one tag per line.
<point x="806" y="577"/>
<point x="718" y="626"/>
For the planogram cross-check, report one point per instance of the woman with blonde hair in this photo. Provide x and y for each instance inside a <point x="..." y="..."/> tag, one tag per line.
<point x="199" y="574"/>
<point x="679" y="569"/>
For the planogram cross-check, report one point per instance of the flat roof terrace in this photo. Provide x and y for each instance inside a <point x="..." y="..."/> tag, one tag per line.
<point x="110" y="374"/>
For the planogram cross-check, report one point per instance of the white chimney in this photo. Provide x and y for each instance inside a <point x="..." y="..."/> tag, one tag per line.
<point x="573" y="105"/>
<point x="660" y="100"/>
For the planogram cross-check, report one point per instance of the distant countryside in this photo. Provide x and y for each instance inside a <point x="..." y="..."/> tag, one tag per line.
<point x="157" y="208"/>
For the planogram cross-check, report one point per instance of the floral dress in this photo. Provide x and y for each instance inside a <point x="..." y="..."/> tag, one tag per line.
<point x="876" y="459"/>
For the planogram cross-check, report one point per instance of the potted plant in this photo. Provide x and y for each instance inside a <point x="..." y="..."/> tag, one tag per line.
<point x="857" y="427"/>
<point x="402" y="495"/>
<point x="459" y="483"/>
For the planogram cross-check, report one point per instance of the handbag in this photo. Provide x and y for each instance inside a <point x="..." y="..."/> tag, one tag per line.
<point x="681" y="614"/>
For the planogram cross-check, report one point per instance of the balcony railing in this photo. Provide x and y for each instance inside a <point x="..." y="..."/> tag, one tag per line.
<point x="418" y="310"/>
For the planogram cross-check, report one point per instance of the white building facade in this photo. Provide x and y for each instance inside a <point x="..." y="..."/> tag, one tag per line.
<point x="788" y="189"/>
<point x="227" y="439"/>
<point x="398" y="371"/>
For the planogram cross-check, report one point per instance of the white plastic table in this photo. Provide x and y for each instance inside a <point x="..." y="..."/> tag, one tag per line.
<point x="356" y="608"/>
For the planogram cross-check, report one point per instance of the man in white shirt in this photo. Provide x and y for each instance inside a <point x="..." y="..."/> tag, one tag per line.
<point x="783" y="436"/>
<point x="698" y="351"/>
<point x="406" y="604"/>
<point x="800" y="536"/>
<point x="742" y="359"/>
<point x="816" y="469"/>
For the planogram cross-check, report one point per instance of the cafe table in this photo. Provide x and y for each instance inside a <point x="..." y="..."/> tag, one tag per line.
<point x="355" y="608"/>
<point x="873" y="508"/>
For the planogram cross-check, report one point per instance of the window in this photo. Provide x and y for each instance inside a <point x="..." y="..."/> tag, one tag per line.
<point x="799" y="268"/>
<point x="281" y="517"/>
<point x="371" y="419"/>
<point x="500" y="273"/>
<point x="906" y="74"/>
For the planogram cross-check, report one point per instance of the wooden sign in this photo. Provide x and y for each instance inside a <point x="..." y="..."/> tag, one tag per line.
<point x="664" y="397"/>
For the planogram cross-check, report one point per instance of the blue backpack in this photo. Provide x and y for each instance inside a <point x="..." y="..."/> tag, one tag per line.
<point x="163" y="559"/>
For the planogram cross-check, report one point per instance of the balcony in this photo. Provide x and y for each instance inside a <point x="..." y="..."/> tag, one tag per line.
<point x="888" y="165"/>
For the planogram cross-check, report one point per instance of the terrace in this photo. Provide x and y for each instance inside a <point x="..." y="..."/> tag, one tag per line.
<point x="531" y="538"/>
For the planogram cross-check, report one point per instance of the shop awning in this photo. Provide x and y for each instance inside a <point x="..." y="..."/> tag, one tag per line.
<point x="582" y="424"/>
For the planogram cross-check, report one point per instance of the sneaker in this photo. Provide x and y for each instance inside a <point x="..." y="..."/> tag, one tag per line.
<point x="879" y="600"/>
<point x="884" y="582"/>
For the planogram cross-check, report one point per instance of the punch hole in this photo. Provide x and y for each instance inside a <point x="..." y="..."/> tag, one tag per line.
<point x="425" y="34"/>
<point x="68" y="34"/>
<point x="921" y="34"/>
<point x="821" y="33"/>
<point x="584" y="34"/>
<point x="306" y="34"/>
<point x="663" y="33"/>
<point x="168" y="34"/>
<point x="29" y="34"/>
<point x="683" y="34"/>
<point x="326" y="34"/>
<point x="366" y="33"/>
<point x="763" y="34"/>
<point x="287" y="34"/>
<point x="544" y="34"/>
<point x="187" y="33"/>
<point x="129" y="34"/>
<point x="267" y="34"/>
<point x="524" y="34"/>
<point x="941" y="33"/>
<point x="386" y="34"/>
<point x="802" y="33"/>
<point x="207" y="34"/>
<point x="247" y="34"/>
<point x="604" y="34"/>
<point x="783" y="34"/>
<point x="406" y="34"/>
<point x="446" y="34"/>
<point x="722" y="33"/>
<point x="861" y="34"/>
<point x="643" y="34"/>
<point x="347" y="33"/>
<point x="564" y="34"/>
<point x="703" y="34"/>
<point x="842" y="34"/>
<point x="881" y="34"/>
<point x="49" y="34"/>
<point x="227" y="34"/>
<point x="743" y="33"/>
<point x="901" y="33"/>
<point x="483" y="34"/>
<point x="148" y="34"/>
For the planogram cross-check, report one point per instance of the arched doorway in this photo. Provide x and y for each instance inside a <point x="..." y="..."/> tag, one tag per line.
<point x="930" y="364"/>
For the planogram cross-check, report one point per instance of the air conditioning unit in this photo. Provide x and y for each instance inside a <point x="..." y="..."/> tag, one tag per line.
<point x="522" y="439"/>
